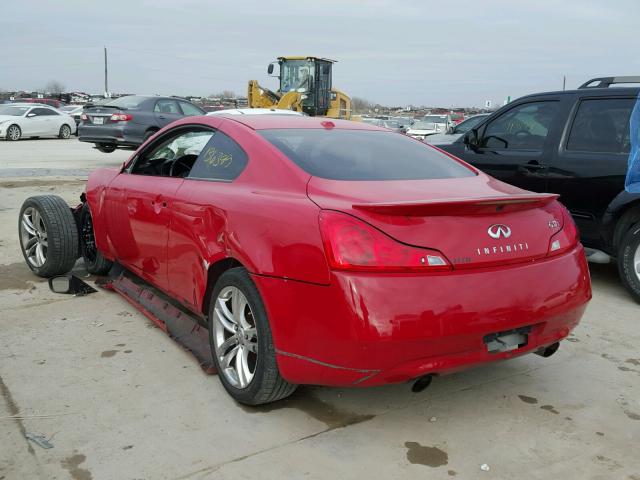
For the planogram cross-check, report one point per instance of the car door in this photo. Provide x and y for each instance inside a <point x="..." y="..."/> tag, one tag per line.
<point x="36" y="122"/>
<point x="140" y="202"/>
<point x="199" y="217"/>
<point x="166" y="110"/>
<point x="589" y="167"/>
<point x="515" y="145"/>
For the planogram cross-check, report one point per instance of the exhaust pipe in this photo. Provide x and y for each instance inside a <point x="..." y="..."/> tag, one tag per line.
<point x="546" y="352"/>
<point x="421" y="383"/>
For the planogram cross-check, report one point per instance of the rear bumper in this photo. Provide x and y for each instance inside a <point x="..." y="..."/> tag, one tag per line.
<point x="367" y="329"/>
<point x="118" y="135"/>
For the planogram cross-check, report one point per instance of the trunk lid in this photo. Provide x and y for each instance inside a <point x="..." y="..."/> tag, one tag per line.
<point x="101" y="114"/>
<point x="474" y="221"/>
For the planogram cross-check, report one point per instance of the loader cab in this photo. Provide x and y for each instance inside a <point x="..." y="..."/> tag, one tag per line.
<point x="309" y="76"/>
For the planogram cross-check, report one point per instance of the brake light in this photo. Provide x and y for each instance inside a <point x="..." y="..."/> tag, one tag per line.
<point x="121" y="117"/>
<point x="84" y="117"/>
<point x="568" y="236"/>
<point x="351" y="244"/>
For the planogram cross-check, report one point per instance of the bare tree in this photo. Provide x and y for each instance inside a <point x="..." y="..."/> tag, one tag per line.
<point x="360" y="105"/>
<point x="54" y="87"/>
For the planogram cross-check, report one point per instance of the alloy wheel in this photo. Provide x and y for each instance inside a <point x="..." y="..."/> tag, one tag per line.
<point x="235" y="337"/>
<point x="636" y="262"/>
<point x="13" y="132"/>
<point x="65" y="132"/>
<point x="33" y="237"/>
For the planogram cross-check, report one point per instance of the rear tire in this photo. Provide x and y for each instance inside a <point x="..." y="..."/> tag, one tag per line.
<point x="94" y="261"/>
<point x="14" y="133"/>
<point x="65" y="132"/>
<point x="248" y="332"/>
<point x="148" y="134"/>
<point x="629" y="261"/>
<point x="48" y="235"/>
<point x="105" y="147"/>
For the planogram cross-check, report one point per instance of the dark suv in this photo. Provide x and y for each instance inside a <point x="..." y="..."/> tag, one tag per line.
<point x="129" y="121"/>
<point x="575" y="143"/>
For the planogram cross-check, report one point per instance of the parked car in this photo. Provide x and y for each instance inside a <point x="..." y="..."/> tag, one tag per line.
<point x="254" y="111"/>
<point x="128" y="121"/>
<point x="455" y="132"/>
<point x="74" y="110"/>
<point x="389" y="124"/>
<point x="430" y="125"/>
<point x="574" y="143"/>
<point x="24" y="120"/>
<point x="325" y="252"/>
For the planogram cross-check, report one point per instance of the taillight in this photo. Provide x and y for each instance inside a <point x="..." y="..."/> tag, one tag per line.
<point x="567" y="238"/>
<point x="84" y="117"/>
<point x="121" y="117"/>
<point x="351" y="244"/>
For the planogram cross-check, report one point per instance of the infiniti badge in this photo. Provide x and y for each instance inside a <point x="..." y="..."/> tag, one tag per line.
<point x="498" y="230"/>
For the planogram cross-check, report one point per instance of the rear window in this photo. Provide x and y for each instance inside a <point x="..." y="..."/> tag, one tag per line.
<point x="363" y="155"/>
<point x="130" y="101"/>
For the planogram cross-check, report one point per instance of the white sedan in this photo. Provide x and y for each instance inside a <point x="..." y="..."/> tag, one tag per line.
<point x="22" y="120"/>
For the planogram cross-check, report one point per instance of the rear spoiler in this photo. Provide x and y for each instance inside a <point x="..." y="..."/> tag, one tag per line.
<point x="460" y="206"/>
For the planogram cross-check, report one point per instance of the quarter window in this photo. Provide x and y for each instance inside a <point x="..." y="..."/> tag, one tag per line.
<point x="220" y="159"/>
<point x="189" y="109"/>
<point x="601" y="125"/>
<point x="524" y="127"/>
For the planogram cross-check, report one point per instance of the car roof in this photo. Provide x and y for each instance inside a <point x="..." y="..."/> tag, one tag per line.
<point x="254" y="111"/>
<point x="591" y="92"/>
<point x="263" y="122"/>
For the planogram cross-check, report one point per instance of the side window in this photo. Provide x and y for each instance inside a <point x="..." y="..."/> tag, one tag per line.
<point x="174" y="154"/>
<point x="601" y="125"/>
<point x="189" y="109"/>
<point x="40" y="112"/>
<point x="166" y="106"/>
<point x="221" y="159"/>
<point x="51" y="112"/>
<point x="524" y="127"/>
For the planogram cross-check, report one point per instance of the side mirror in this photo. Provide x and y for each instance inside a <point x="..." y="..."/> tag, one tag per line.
<point x="450" y="130"/>
<point x="29" y="115"/>
<point x="70" y="284"/>
<point x="470" y="139"/>
<point x="270" y="69"/>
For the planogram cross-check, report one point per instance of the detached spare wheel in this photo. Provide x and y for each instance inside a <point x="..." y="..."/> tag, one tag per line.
<point x="48" y="235"/>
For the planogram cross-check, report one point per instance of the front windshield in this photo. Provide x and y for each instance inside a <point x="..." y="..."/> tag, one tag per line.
<point x="469" y="123"/>
<point x="13" y="110"/>
<point x="296" y="74"/>
<point x="434" y="119"/>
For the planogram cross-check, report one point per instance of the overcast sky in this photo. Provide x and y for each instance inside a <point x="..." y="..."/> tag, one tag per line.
<point x="448" y="53"/>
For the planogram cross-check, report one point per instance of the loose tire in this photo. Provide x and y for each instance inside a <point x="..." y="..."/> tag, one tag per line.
<point x="241" y="343"/>
<point x="629" y="261"/>
<point x="105" y="147"/>
<point x="48" y="235"/>
<point x="65" y="132"/>
<point x="14" y="133"/>
<point x="94" y="261"/>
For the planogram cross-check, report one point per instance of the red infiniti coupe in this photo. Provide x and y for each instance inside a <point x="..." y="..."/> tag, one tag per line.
<point x="325" y="252"/>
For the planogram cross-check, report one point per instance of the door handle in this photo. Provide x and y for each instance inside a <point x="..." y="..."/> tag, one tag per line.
<point x="161" y="117"/>
<point x="532" y="166"/>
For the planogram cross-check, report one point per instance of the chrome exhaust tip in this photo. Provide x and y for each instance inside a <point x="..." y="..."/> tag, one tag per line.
<point x="546" y="352"/>
<point x="421" y="383"/>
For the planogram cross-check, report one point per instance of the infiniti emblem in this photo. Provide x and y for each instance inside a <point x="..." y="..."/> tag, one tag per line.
<point x="498" y="230"/>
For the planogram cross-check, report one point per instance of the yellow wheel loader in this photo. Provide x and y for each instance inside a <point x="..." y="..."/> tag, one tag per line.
<point x="305" y="86"/>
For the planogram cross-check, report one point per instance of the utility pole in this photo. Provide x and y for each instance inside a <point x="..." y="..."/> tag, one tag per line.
<point x="564" y="82"/>
<point x="106" y="81"/>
